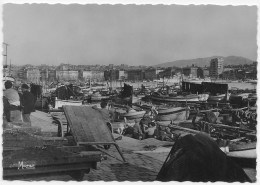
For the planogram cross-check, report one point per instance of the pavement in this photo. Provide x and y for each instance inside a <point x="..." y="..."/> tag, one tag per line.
<point x="139" y="167"/>
<point x="142" y="164"/>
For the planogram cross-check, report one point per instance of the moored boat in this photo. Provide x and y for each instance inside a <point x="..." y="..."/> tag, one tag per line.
<point x="172" y="114"/>
<point x="133" y="114"/>
<point x="218" y="98"/>
<point x="60" y="103"/>
<point x="189" y="98"/>
<point x="98" y="97"/>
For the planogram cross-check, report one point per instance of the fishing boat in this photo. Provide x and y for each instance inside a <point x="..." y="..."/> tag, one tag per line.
<point x="189" y="98"/>
<point x="98" y="97"/>
<point x="218" y="98"/>
<point x="172" y="114"/>
<point x="243" y="99"/>
<point x="59" y="103"/>
<point x="133" y="114"/>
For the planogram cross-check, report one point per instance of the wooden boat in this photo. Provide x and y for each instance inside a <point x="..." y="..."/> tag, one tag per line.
<point x="98" y="97"/>
<point x="243" y="99"/>
<point x="133" y="114"/>
<point x="189" y="98"/>
<point x="60" y="103"/>
<point x="218" y="98"/>
<point x="248" y="153"/>
<point x="172" y="114"/>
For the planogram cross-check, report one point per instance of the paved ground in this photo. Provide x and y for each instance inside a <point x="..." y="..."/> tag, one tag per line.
<point x="139" y="167"/>
<point x="142" y="166"/>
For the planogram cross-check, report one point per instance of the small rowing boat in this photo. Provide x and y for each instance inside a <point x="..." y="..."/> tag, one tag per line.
<point x="172" y="114"/>
<point x="133" y="114"/>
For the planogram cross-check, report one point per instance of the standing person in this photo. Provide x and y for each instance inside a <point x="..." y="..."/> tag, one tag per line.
<point x="27" y="102"/>
<point x="13" y="99"/>
<point x="105" y="114"/>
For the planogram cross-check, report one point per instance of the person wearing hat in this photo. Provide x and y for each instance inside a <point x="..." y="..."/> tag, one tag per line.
<point x="13" y="109"/>
<point x="27" y="102"/>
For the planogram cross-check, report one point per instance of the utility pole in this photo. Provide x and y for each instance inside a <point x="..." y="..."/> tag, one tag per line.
<point x="5" y="55"/>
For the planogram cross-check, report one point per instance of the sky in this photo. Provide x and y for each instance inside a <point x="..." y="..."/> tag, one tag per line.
<point x="126" y="34"/>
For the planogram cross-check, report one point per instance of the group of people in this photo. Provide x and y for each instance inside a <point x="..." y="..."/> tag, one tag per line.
<point x="18" y="106"/>
<point x="137" y="131"/>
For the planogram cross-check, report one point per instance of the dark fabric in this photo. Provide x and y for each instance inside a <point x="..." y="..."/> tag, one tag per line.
<point x="127" y="91"/>
<point x="26" y="118"/>
<point x="70" y="90"/>
<point x="27" y="102"/>
<point x="62" y="93"/>
<point x="36" y="90"/>
<point x="6" y="108"/>
<point x="199" y="159"/>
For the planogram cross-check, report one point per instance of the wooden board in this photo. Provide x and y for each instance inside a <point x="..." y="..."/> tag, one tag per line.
<point x="45" y="161"/>
<point x="87" y="125"/>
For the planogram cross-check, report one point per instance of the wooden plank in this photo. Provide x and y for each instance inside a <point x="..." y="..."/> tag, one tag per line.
<point x="61" y="169"/>
<point x="47" y="156"/>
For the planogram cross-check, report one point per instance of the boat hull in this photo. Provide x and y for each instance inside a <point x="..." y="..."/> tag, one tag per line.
<point x="134" y="115"/>
<point x="219" y="98"/>
<point x="60" y="103"/>
<point x="195" y="98"/>
<point x="173" y="114"/>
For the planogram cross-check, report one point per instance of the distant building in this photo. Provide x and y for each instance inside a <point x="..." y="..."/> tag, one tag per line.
<point x="150" y="74"/>
<point x="190" y="71"/>
<point x="33" y="75"/>
<point x="111" y="66"/>
<point x="200" y="73"/>
<point x="121" y="75"/>
<point x="44" y="75"/>
<point x="51" y="75"/>
<point x="67" y="75"/>
<point x="216" y="67"/>
<point x="135" y="75"/>
<point x="95" y="76"/>
<point x="205" y="72"/>
<point x="167" y="73"/>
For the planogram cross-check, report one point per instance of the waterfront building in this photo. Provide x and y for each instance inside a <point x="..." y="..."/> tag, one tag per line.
<point x="33" y="75"/>
<point x="205" y="72"/>
<point x="190" y="71"/>
<point x="44" y="75"/>
<point x="200" y="73"/>
<point x="121" y="75"/>
<point x="135" y="75"/>
<point x="167" y="73"/>
<point x="95" y="76"/>
<point x="216" y="67"/>
<point x="51" y="75"/>
<point x="67" y="75"/>
<point x="150" y="74"/>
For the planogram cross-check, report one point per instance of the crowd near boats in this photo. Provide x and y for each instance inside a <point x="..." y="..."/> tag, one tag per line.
<point x="165" y="113"/>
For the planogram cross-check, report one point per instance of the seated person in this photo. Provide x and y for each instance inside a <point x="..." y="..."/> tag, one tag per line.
<point x="137" y="132"/>
<point x="150" y="131"/>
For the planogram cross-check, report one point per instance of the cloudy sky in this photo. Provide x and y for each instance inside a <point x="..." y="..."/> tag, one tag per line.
<point x="127" y="34"/>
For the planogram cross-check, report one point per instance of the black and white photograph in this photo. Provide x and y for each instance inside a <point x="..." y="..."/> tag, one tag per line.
<point x="126" y="91"/>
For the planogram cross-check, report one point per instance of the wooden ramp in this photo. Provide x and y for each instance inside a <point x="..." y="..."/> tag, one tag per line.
<point x="88" y="127"/>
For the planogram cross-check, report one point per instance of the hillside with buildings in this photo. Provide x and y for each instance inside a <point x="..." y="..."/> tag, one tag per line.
<point x="214" y="68"/>
<point x="201" y="62"/>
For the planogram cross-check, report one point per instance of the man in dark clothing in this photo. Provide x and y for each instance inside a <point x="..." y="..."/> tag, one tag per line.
<point x="27" y="101"/>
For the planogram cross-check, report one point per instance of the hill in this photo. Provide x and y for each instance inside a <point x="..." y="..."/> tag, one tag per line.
<point x="230" y="60"/>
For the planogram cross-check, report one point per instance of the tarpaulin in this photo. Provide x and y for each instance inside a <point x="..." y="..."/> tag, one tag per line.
<point x="199" y="159"/>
